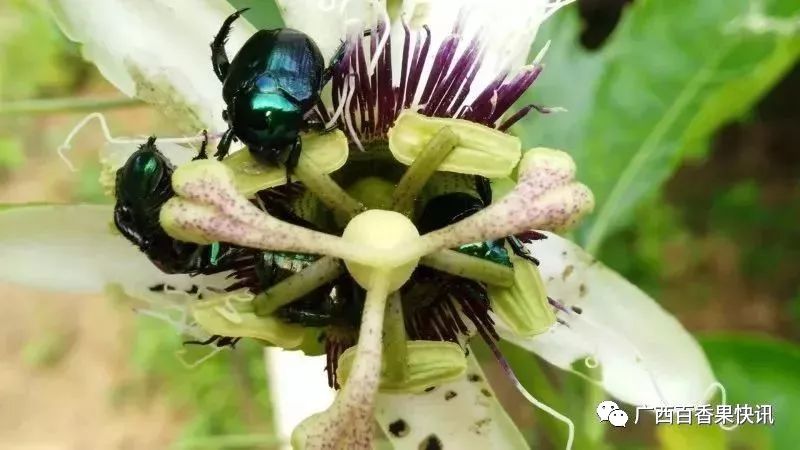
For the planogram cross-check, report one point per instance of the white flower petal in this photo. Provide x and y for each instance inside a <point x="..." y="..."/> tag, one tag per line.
<point x="463" y="414"/>
<point x="73" y="248"/>
<point x="507" y="45"/>
<point x="327" y="21"/>
<point x="157" y="50"/>
<point x="646" y="356"/>
<point x="297" y="387"/>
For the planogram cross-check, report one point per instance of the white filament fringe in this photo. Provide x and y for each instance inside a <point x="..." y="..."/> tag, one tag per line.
<point x="180" y="356"/>
<point x="540" y="56"/>
<point x="373" y="63"/>
<point x="338" y="113"/>
<point x="348" y="119"/>
<point x="66" y="145"/>
<point x="538" y="403"/>
<point x="709" y="391"/>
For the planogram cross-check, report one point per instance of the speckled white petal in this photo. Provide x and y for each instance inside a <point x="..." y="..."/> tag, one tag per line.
<point x="298" y="387"/>
<point x="73" y="248"/>
<point x="463" y="414"/>
<point x="157" y="50"/>
<point x="646" y="356"/>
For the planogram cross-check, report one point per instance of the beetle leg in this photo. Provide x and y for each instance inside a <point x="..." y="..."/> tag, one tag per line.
<point x="519" y="250"/>
<point x="219" y="58"/>
<point x="210" y="340"/>
<point x="336" y="59"/>
<point x="306" y="317"/>
<point x="327" y="73"/>
<point x="317" y="125"/>
<point x="202" y="154"/>
<point x="121" y="216"/>
<point x="224" y="144"/>
<point x="293" y="158"/>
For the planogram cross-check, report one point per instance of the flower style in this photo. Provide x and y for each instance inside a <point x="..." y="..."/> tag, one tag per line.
<point x="403" y="235"/>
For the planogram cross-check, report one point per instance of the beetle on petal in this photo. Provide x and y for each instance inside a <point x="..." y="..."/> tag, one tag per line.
<point x="269" y="87"/>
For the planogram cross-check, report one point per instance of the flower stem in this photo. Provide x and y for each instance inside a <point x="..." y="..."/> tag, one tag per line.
<point x="321" y="272"/>
<point x="418" y="173"/>
<point x="467" y="266"/>
<point x="395" y="340"/>
<point x="69" y="104"/>
<point x="327" y="190"/>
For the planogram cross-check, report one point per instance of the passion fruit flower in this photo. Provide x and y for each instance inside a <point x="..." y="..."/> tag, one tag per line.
<point x="386" y="255"/>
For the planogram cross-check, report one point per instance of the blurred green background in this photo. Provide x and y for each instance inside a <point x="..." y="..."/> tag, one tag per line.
<point x="684" y="118"/>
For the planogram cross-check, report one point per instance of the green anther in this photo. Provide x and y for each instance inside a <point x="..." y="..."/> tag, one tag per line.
<point x="472" y="267"/>
<point x="319" y="273"/>
<point x="430" y="363"/>
<point x="523" y="307"/>
<point x="328" y="152"/>
<point x="225" y="317"/>
<point x="395" y="350"/>
<point x="420" y="171"/>
<point x="480" y="150"/>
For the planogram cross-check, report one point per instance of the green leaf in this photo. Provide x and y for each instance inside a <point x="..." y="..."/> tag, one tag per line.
<point x="34" y="57"/>
<point x="263" y="14"/>
<point x="11" y="155"/>
<point x="672" y="73"/>
<point x="757" y="370"/>
<point x="680" y="437"/>
<point x="224" y="395"/>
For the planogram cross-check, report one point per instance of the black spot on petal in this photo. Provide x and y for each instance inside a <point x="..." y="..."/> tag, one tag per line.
<point x="431" y="442"/>
<point x="450" y="395"/>
<point x="399" y="428"/>
<point x="486" y="392"/>
<point x="430" y="389"/>
<point x="481" y="427"/>
<point x="474" y="377"/>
